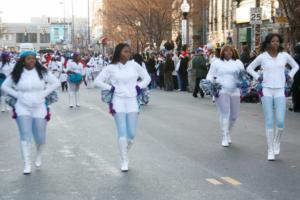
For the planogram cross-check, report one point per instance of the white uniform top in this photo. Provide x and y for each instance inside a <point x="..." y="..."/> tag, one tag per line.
<point x="6" y="69"/>
<point x="31" y="92"/>
<point x="63" y="77"/>
<point x="74" y="67"/>
<point x="273" y="69"/>
<point x="226" y="74"/>
<point x="54" y="65"/>
<point x="123" y="78"/>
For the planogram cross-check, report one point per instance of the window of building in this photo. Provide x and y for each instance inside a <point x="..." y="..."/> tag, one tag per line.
<point x="56" y="32"/>
<point x="29" y="37"/>
<point x="44" y="38"/>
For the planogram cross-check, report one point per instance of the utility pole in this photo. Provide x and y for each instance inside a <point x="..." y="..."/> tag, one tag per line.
<point x="257" y="35"/>
<point x="89" y="30"/>
<point x="73" y="26"/>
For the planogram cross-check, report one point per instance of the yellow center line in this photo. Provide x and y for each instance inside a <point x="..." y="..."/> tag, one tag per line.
<point x="213" y="181"/>
<point x="232" y="181"/>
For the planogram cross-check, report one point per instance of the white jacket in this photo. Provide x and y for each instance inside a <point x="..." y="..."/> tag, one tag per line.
<point x="273" y="69"/>
<point x="31" y="91"/>
<point x="74" y="67"/>
<point x="124" y="78"/>
<point x="226" y="74"/>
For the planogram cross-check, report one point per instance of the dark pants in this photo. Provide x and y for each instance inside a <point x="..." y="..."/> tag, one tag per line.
<point x="184" y="81"/>
<point x="296" y="96"/>
<point x="64" y="86"/>
<point x="197" y="88"/>
<point x="175" y="82"/>
<point x="161" y="82"/>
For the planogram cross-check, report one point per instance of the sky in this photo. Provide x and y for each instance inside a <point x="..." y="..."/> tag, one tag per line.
<point x="20" y="11"/>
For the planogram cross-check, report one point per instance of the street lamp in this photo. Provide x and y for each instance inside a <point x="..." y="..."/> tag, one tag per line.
<point x="185" y="8"/>
<point x="138" y="25"/>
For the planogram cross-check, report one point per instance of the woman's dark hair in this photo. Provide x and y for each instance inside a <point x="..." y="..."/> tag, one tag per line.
<point x="19" y="68"/>
<point x="138" y="59"/>
<point x="266" y="44"/>
<point x="117" y="52"/>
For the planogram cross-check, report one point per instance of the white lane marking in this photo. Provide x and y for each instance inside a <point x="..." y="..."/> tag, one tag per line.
<point x="214" y="181"/>
<point x="232" y="181"/>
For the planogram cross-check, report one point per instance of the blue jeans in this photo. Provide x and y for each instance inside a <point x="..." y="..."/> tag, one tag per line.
<point x="29" y="127"/>
<point x="269" y="104"/>
<point x="179" y="82"/>
<point x="126" y="124"/>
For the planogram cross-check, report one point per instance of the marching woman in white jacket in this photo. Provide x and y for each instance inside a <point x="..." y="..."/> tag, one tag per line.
<point x="6" y="68"/>
<point x="75" y="72"/>
<point x="121" y="76"/>
<point x="30" y="83"/>
<point x="273" y="62"/>
<point x="224" y="71"/>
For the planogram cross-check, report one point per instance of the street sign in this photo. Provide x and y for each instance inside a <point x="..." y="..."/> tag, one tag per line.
<point x="255" y="16"/>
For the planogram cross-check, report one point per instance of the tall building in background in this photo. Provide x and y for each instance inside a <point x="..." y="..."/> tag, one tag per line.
<point x="198" y="22"/>
<point x="220" y="27"/>
<point x="96" y="20"/>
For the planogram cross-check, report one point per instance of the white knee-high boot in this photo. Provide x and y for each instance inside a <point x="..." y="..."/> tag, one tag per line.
<point x="231" y="124"/>
<point x="38" y="158"/>
<point x="71" y="99"/>
<point x="123" y="146"/>
<point x="277" y="138"/>
<point x="77" y="99"/>
<point x="270" y="141"/>
<point x="130" y="144"/>
<point x="3" y="104"/>
<point x="25" y="149"/>
<point x="225" y="132"/>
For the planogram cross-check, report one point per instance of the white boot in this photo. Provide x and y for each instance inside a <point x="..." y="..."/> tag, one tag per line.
<point x="3" y="104"/>
<point x="123" y="145"/>
<point x="77" y="99"/>
<point x="38" y="158"/>
<point x="25" y="149"/>
<point x="225" y="132"/>
<point x="277" y="137"/>
<point x="231" y="124"/>
<point x="71" y="99"/>
<point x="270" y="141"/>
<point x="130" y="143"/>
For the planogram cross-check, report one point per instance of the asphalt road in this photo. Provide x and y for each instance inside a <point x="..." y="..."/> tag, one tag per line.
<point x="177" y="155"/>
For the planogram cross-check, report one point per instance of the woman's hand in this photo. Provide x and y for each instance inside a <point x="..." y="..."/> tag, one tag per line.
<point x="138" y="90"/>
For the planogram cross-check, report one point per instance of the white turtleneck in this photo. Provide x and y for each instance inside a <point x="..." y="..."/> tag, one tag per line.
<point x="31" y="91"/>
<point x="225" y="72"/>
<point x="124" y="78"/>
<point x="273" y="69"/>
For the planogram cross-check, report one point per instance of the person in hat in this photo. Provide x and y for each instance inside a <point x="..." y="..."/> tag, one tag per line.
<point x="182" y="71"/>
<point x="121" y="78"/>
<point x="75" y="72"/>
<point x="273" y="63"/>
<point x="199" y="65"/>
<point x="6" y="68"/>
<point x="30" y="83"/>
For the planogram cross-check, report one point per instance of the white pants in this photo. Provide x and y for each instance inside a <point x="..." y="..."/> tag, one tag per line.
<point x="36" y="112"/>
<point x="273" y="92"/>
<point x="125" y="104"/>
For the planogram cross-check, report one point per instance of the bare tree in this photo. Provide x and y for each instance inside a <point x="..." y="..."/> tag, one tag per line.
<point x="151" y="20"/>
<point x="292" y="10"/>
